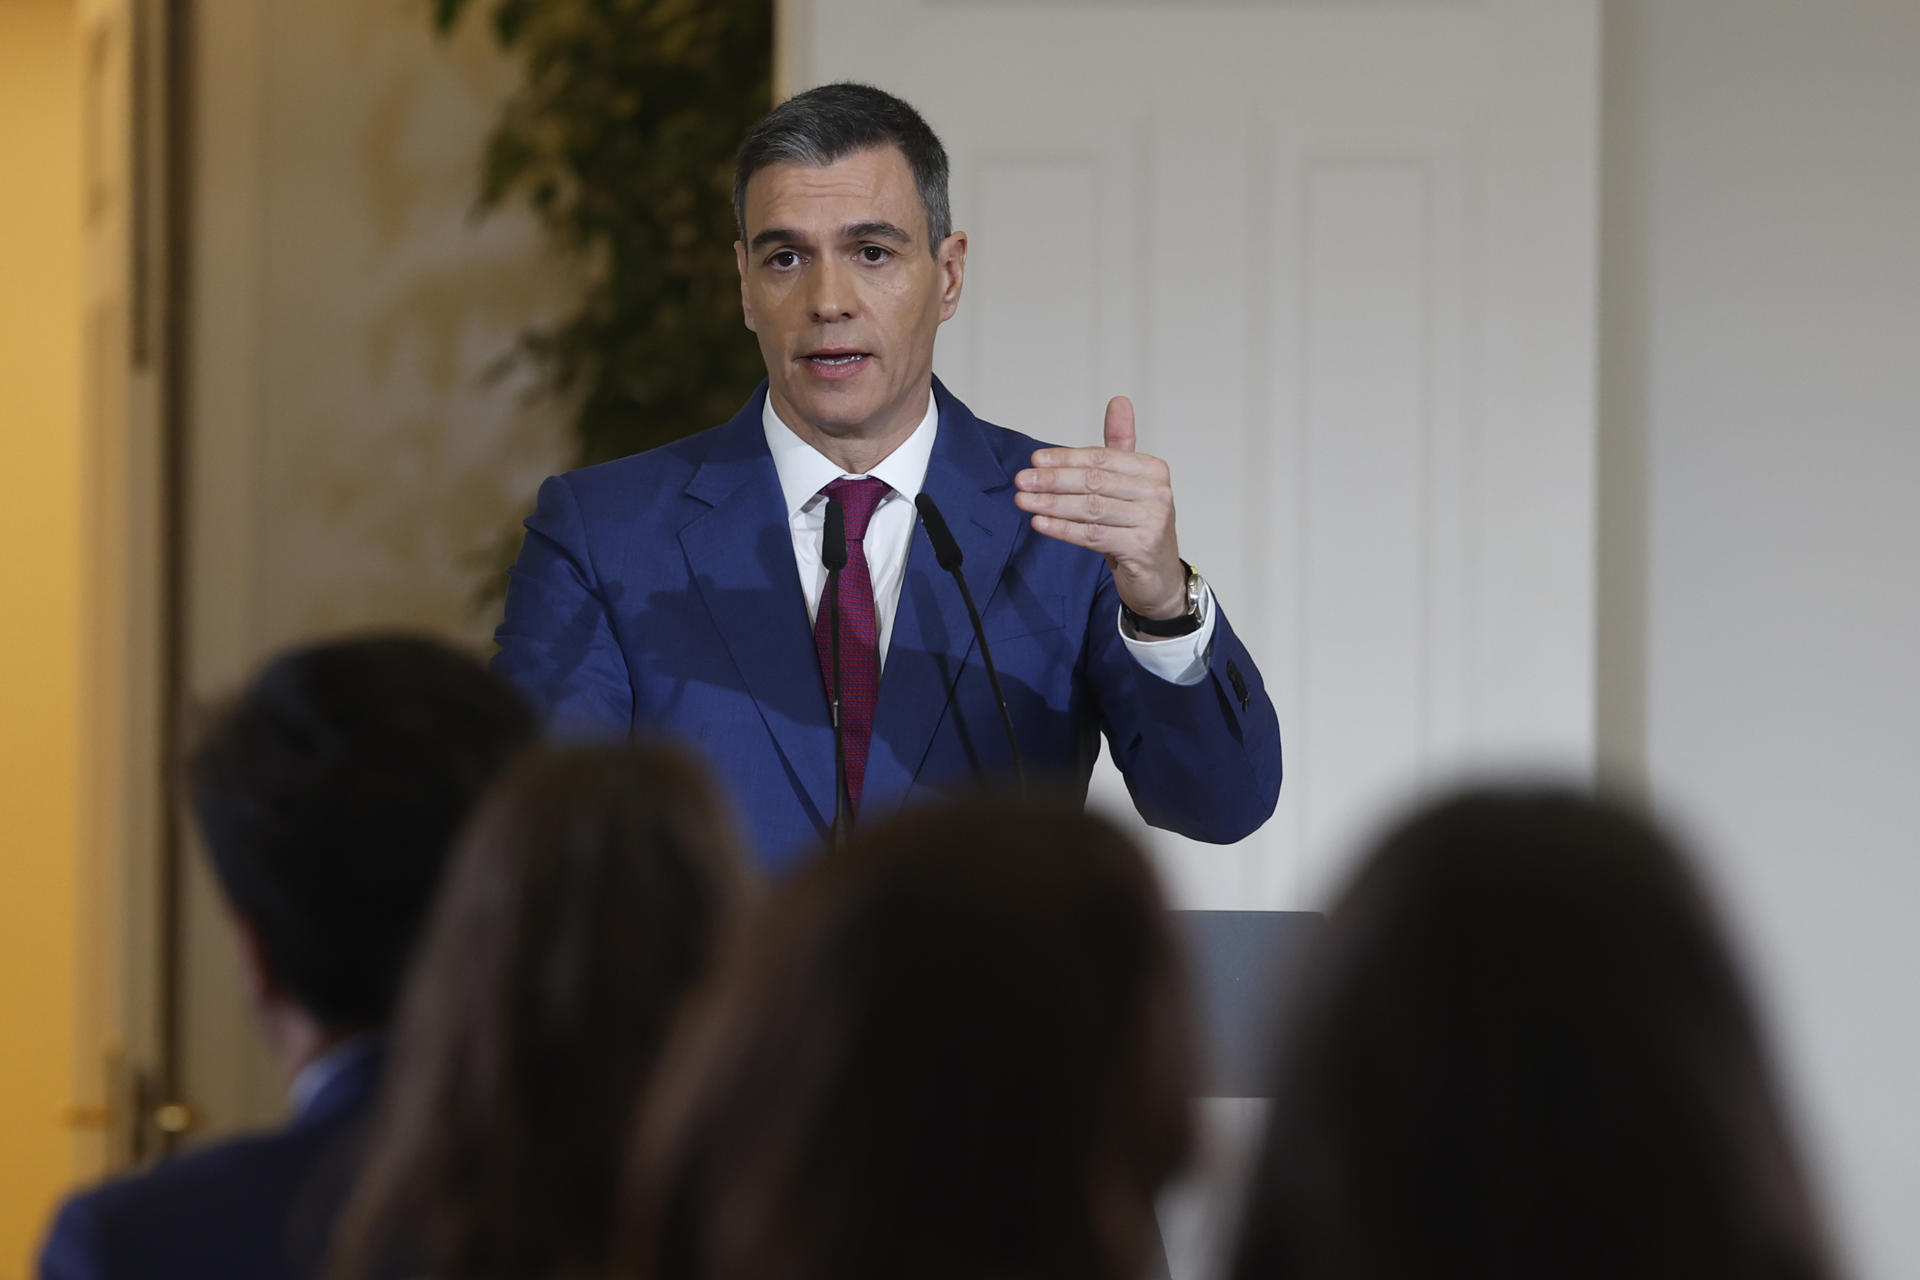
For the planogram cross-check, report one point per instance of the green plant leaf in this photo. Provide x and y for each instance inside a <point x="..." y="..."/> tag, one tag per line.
<point x="509" y="20"/>
<point x="446" y="13"/>
<point x="620" y="141"/>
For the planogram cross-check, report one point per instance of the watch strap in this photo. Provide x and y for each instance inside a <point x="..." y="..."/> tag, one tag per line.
<point x="1167" y="628"/>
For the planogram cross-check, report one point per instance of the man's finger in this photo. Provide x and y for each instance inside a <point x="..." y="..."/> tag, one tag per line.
<point x="1131" y="464"/>
<point x="1086" y="508"/>
<point x="1094" y="537"/>
<point x="1119" y="428"/>
<point x="1117" y="484"/>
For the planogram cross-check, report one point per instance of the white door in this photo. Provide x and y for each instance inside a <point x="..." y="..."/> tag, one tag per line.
<point x="124" y="1034"/>
<point x="1342" y="257"/>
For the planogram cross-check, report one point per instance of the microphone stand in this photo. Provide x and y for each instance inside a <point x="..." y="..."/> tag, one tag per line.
<point x="833" y="554"/>
<point x="946" y="552"/>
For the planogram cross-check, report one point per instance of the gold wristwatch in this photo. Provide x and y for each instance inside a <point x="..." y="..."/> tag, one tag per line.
<point x="1184" y="624"/>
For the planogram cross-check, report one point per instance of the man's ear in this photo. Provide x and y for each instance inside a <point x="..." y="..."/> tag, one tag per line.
<point x="951" y="261"/>
<point x="746" y="303"/>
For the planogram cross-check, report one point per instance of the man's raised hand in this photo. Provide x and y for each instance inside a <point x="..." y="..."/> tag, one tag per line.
<point x="1117" y="502"/>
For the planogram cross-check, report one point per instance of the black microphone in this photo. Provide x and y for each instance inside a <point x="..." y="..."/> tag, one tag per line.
<point x="833" y="554"/>
<point x="947" y="553"/>
<point x="833" y="538"/>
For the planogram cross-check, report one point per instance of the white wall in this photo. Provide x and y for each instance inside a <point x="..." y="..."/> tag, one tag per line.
<point x="1761" y="448"/>
<point x="1375" y="386"/>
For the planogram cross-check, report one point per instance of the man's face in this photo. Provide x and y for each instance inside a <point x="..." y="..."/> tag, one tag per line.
<point x="838" y="285"/>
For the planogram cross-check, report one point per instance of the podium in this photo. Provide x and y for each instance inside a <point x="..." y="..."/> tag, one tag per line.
<point x="1238" y="963"/>
<point x="1238" y="966"/>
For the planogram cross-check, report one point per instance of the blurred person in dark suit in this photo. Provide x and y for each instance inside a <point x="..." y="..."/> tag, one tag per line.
<point x="328" y="794"/>
<point x="1521" y="1048"/>
<point x="957" y="1048"/>
<point x="584" y="903"/>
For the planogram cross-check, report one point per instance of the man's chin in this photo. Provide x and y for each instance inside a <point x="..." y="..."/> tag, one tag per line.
<point x="843" y="417"/>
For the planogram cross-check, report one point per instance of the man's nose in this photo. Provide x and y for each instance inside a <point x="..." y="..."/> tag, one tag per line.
<point x="830" y="292"/>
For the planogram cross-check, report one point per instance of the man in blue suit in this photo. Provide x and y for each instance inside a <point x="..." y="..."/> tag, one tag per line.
<point x="328" y="794"/>
<point x="684" y="590"/>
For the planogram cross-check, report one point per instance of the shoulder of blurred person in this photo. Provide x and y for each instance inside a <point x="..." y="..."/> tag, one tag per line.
<point x="960" y="1045"/>
<point x="588" y="895"/>
<point x="1521" y="1047"/>
<point x="276" y="1195"/>
<point x="327" y="794"/>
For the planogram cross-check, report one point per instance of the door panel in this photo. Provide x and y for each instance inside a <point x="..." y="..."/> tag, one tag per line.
<point x="1341" y="256"/>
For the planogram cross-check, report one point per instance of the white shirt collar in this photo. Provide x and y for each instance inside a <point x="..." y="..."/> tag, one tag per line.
<point x="314" y="1078"/>
<point x="804" y="471"/>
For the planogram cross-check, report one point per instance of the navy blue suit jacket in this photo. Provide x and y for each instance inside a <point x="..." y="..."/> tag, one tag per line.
<point x="659" y="593"/>
<point x="255" y="1208"/>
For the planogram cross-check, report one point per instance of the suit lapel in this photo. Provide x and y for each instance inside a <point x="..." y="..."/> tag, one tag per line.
<point x="741" y="555"/>
<point x="932" y="637"/>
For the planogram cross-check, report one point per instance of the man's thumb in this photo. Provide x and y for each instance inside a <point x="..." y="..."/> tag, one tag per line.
<point x="1119" y="428"/>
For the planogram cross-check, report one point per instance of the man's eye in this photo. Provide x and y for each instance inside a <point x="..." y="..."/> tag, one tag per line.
<point x="874" y="253"/>
<point x="783" y="259"/>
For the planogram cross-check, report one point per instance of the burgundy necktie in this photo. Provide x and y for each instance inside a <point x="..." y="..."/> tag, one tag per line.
<point x="859" y="631"/>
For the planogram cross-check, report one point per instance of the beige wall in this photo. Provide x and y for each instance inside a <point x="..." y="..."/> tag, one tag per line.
<point x="40" y="524"/>
<point x="340" y="142"/>
<point x="351" y="466"/>
<point x="1761" y="439"/>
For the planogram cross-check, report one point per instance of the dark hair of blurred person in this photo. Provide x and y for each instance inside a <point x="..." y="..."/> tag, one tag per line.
<point x="586" y="901"/>
<point x="328" y="794"/>
<point x="957" y="1048"/>
<point x="1521" y="1048"/>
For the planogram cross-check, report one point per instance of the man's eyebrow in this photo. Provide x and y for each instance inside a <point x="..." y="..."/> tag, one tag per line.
<point x="876" y="231"/>
<point x="776" y="235"/>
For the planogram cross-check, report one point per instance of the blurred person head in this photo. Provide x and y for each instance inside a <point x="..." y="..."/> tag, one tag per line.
<point x="1520" y="1048"/>
<point x="328" y="793"/>
<point x="585" y="902"/>
<point x="848" y="263"/>
<point x="957" y="1047"/>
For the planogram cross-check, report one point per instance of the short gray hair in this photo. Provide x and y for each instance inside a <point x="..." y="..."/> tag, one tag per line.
<point x="834" y="121"/>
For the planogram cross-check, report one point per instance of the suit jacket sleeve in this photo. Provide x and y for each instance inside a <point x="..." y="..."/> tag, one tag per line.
<point x="1203" y="759"/>
<point x="556" y="641"/>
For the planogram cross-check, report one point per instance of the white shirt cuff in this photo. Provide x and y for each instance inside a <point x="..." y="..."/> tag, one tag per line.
<point x="1175" y="659"/>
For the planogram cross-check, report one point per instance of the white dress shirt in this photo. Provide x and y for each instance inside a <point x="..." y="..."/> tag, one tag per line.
<point x="804" y="471"/>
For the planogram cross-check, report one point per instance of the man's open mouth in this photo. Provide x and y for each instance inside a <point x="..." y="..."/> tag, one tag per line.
<point x="837" y="357"/>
